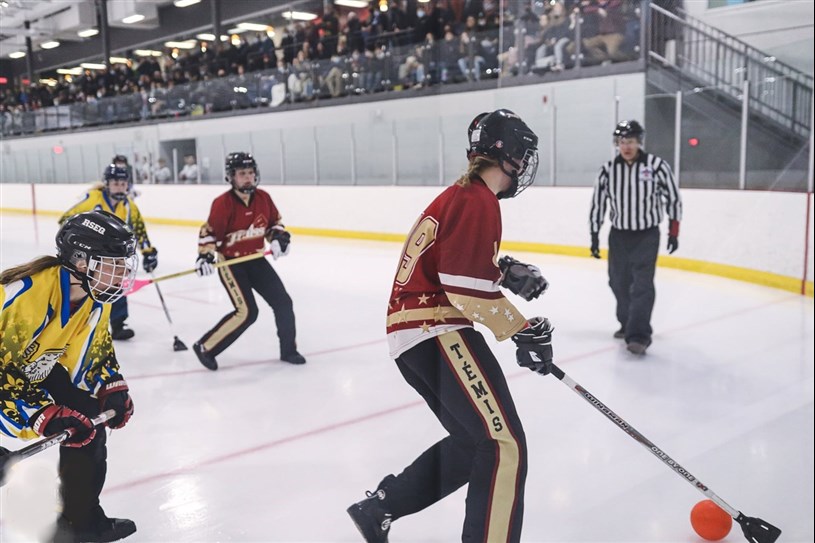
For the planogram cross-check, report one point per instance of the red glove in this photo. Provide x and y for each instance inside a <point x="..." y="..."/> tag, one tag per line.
<point x="114" y="395"/>
<point x="55" y="419"/>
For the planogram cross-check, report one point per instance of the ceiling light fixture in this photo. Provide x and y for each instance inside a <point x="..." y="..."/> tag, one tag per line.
<point x="49" y="44"/>
<point x="16" y="54"/>
<point x="300" y="15"/>
<point x="352" y="3"/>
<point x="130" y="19"/>
<point x="185" y="3"/>
<point x="88" y="32"/>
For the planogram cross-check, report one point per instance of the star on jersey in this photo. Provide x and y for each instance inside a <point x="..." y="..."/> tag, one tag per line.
<point x="423" y="298"/>
<point x="438" y="314"/>
<point x="425" y="327"/>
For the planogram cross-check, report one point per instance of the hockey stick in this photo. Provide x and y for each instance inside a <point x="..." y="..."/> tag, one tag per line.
<point x="11" y="457"/>
<point x="755" y="529"/>
<point x="139" y="284"/>
<point x="178" y="345"/>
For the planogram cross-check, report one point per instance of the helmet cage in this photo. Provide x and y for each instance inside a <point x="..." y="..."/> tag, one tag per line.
<point x="240" y="161"/>
<point x="523" y="175"/>
<point x="117" y="173"/>
<point x="110" y="277"/>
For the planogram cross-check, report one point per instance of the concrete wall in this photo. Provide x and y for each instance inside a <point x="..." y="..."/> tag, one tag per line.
<point x="753" y="235"/>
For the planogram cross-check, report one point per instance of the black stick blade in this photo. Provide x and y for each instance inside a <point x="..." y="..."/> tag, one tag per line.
<point x="6" y="460"/>
<point x="178" y="345"/>
<point x="757" y="530"/>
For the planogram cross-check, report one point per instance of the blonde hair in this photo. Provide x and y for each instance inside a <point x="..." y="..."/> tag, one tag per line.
<point x="30" y="268"/>
<point x="477" y="165"/>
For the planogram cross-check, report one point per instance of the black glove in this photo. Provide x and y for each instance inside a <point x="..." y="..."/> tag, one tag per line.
<point x="55" y="419"/>
<point x="149" y="259"/>
<point x="204" y="264"/>
<point x="535" y="345"/>
<point x="279" y="240"/>
<point x="525" y="280"/>
<point x="115" y="395"/>
<point x="595" y="245"/>
<point x="673" y="244"/>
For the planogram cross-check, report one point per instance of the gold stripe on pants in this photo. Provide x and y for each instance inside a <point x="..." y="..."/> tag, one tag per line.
<point x="503" y="494"/>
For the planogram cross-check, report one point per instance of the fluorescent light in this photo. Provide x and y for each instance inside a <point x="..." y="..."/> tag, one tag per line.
<point x="87" y="33"/>
<point x="187" y="44"/>
<point x="49" y="81"/>
<point x="352" y="3"/>
<point x="49" y="44"/>
<point x="206" y="36"/>
<point x="130" y="19"/>
<point x="93" y="65"/>
<point x="119" y="60"/>
<point x="147" y="53"/>
<point x="70" y="71"/>
<point x="16" y="54"/>
<point x="237" y="30"/>
<point x="300" y="15"/>
<point x="254" y="26"/>
<point x="185" y="3"/>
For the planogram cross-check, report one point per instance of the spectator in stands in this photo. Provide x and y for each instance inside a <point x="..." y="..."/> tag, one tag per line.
<point x="189" y="173"/>
<point x="470" y="61"/>
<point x="162" y="173"/>
<point x="606" y="44"/>
<point x="411" y="72"/>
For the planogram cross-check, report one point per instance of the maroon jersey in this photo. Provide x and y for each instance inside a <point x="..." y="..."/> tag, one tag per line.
<point x="236" y="229"/>
<point x="448" y="273"/>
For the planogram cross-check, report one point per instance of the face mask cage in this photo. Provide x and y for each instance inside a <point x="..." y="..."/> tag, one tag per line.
<point x="109" y="278"/>
<point x="524" y="174"/>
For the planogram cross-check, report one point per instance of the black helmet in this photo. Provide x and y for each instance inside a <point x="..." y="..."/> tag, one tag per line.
<point x="108" y="249"/>
<point x="504" y="137"/>
<point x="119" y="158"/>
<point x="629" y="129"/>
<point x="237" y="161"/>
<point x="117" y="173"/>
<point x="472" y="126"/>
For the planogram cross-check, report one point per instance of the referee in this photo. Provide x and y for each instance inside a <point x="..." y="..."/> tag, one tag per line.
<point x="635" y="185"/>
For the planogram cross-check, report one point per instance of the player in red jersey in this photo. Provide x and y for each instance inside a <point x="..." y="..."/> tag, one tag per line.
<point x="449" y="278"/>
<point x="238" y="223"/>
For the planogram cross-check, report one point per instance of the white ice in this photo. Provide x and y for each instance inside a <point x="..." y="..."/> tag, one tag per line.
<point x="264" y="451"/>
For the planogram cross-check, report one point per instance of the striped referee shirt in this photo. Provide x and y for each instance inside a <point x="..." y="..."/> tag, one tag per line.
<point x="635" y="193"/>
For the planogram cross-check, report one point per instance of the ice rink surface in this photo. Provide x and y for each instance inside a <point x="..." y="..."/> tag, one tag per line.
<point x="264" y="451"/>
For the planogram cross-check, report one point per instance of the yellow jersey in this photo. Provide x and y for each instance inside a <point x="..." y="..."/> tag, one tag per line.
<point x="39" y="329"/>
<point x="98" y="199"/>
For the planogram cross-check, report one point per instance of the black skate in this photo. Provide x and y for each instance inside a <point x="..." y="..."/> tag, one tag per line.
<point x="104" y="530"/>
<point x="121" y="331"/>
<point x="370" y="517"/>
<point x="204" y="357"/>
<point x="293" y="358"/>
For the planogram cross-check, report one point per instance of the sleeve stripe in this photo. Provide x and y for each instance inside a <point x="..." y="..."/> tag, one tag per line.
<point x="470" y="283"/>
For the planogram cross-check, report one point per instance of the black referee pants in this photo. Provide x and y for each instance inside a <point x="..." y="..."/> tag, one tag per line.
<point x="82" y="470"/>
<point x="632" y="261"/>
<point x="462" y="383"/>
<point x="239" y="281"/>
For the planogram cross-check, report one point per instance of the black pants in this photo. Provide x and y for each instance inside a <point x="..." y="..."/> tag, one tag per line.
<point x="82" y="470"/>
<point x="118" y="312"/>
<point x="462" y="383"/>
<point x="632" y="261"/>
<point x="239" y="280"/>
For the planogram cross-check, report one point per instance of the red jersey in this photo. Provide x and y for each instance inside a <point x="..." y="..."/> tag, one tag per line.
<point x="448" y="273"/>
<point x="237" y="229"/>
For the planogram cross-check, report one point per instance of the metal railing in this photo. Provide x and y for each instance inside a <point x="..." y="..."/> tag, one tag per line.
<point x="713" y="58"/>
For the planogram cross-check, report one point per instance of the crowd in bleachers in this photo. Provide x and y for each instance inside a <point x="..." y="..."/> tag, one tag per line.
<point x="409" y="45"/>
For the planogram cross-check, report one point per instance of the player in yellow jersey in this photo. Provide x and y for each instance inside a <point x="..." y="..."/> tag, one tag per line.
<point x="58" y="369"/>
<point x="112" y="196"/>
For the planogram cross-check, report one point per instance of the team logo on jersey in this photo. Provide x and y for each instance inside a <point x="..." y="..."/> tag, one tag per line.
<point x="257" y="230"/>
<point x="646" y="174"/>
<point x="39" y="369"/>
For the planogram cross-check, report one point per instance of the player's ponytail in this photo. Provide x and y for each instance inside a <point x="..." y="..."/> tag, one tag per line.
<point x="477" y="165"/>
<point x="30" y="268"/>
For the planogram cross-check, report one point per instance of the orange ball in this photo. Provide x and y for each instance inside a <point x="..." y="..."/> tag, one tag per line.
<point x="710" y="521"/>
